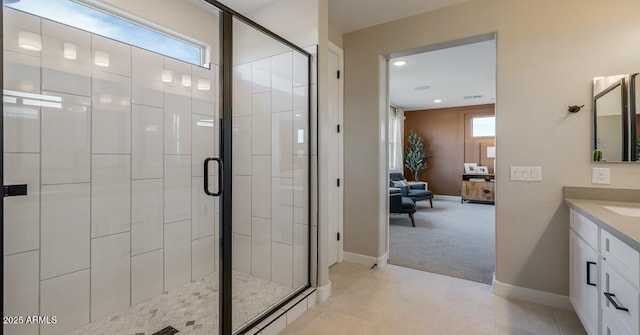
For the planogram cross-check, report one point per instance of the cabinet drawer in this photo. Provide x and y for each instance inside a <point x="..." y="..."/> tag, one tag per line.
<point x="621" y="257"/>
<point x="611" y="328"/>
<point x="585" y="228"/>
<point x="624" y="295"/>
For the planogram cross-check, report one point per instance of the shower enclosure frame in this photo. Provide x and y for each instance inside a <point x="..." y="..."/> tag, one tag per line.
<point x="225" y="187"/>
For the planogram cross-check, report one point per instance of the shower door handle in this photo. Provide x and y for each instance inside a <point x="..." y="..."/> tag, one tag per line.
<point x="206" y="176"/>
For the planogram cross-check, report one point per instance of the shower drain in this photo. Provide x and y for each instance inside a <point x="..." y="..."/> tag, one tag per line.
<point x="166" y="331"/>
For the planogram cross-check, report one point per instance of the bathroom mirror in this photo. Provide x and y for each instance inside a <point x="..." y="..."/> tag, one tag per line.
<point x="615" y="119"/>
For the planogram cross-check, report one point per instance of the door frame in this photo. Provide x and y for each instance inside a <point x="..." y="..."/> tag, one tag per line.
<point x="339" y="155"/>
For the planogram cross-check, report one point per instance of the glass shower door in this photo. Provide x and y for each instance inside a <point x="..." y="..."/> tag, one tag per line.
<point x="270" y="174"/>
<point x="108" y="116"/>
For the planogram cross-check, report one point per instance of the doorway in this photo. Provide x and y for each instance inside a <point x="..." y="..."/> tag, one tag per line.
<point x="438" y="93"/>
<point x="151" y="167"/>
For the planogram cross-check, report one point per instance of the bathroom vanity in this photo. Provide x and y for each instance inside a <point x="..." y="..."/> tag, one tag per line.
<point x="604" y="240"/>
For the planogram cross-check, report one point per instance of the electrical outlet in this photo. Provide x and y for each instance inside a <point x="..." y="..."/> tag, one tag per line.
<point x="601" y="176"/>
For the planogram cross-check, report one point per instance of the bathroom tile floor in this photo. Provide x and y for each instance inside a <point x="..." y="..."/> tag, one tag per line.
<point x="397" y="300"/>
<point x="191" y="308"/>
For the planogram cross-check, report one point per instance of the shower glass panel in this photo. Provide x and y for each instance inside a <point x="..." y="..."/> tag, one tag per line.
<point x="270" y="173"/>
<point x="115" y="234"/>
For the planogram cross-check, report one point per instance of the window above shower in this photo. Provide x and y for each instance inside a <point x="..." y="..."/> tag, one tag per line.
<point x="116" y="25"/>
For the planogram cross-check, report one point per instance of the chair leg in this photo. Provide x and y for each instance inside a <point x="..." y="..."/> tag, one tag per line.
<point x="431" y="202"/>
<point x="413" y="223"/>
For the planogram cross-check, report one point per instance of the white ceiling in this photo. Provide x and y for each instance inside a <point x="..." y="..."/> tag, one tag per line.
<point x="452" y="74"/>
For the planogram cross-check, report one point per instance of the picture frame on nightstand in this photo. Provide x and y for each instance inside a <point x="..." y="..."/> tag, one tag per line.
<point x="482" y="170"/>
<point x="470" y="167"/>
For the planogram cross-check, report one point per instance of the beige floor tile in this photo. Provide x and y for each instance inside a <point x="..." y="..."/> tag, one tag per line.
<point x="396" y="300"/>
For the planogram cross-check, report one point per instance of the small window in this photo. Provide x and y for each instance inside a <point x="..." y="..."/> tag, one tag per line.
<point x="483" y="126"/>
<point x="108" y="25"/>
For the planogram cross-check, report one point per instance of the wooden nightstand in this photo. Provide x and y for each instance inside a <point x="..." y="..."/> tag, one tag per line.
<point x="478" y="187"/>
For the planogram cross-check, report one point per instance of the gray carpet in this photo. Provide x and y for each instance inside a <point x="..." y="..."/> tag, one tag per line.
<point x="452" y="239"/>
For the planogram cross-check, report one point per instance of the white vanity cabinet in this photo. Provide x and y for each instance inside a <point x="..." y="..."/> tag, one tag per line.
<point x="604" y="279"/>
<point x="620" y="277"/>
<point x="583" y="286"/>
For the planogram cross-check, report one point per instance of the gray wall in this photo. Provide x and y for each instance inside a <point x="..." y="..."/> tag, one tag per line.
<point x="548" y="53"/>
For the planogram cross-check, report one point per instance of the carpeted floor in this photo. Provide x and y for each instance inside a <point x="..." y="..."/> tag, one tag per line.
<point x="452" y="239"/>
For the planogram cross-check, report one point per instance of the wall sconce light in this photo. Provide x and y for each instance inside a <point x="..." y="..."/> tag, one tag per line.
<point x="204" y="84"/>
<point x="70" y="51"/>
<point x="101" y="59"/>
<point x="167" y="76"/>
<point x="186" y="80"/>
<point x="29" y="41"/>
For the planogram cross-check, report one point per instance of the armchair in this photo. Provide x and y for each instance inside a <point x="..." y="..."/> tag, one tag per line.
<point x="416" y="192"/>
<point x="401" y="205"/>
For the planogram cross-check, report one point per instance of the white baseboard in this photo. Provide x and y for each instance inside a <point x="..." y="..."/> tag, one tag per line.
<point x="323" y="292"/>
<point x="382" y="260"/>
<point x="366" y="260"/>
<point x="535" y="296"/>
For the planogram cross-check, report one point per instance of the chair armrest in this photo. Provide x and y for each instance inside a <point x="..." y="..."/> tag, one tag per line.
<point x="393" y="190"/>
<point x="395" y="202"/>
<point x="419" y="186"/>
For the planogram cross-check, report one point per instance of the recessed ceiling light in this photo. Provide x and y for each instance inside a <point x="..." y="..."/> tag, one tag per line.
<point x="422" y="88"/>
<point x="437" y="101"/>
<point x="400" y="63"/>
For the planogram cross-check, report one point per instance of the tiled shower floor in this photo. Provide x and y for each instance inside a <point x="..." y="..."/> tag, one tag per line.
<point x="191" y="309"/>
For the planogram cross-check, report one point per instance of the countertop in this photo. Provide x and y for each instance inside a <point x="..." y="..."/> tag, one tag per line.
<point x="626" y="228"/>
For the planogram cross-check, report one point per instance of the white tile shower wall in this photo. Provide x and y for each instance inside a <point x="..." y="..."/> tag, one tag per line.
<point x="147" y="142"/>
<point x="177" y="254"/>
<point x="66" y="297"/>
<point x="147" y="225"/>
<point x="110" y="275"/>
<point x="110" y="194"/>
<point x="111" y="113"/>
<point x="147" y="278"/>
<point x="202" y="255"/>
<point x="65" y="226"/>
<point x="21" y="290"/>
<point x="282" y="210"/>
<point x="177" y="188"/>
<point x="242" y="201"/>
<point x="261" y="248"/>
<point x="242" y="145"/>
<point x="59" y="74"/>
<point x="177" y="122"/>
<point x="66" y="140"/>
<point x="282" y="82"/>
<point x="22" y="214"/>
<point x="95" y="165"/>
<point x="21" y="122"/>
<point x="119" y="56"/>
<point x="146" y="78"/>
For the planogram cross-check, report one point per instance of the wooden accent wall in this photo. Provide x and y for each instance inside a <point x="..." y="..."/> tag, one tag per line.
<point x="447" y="134"/>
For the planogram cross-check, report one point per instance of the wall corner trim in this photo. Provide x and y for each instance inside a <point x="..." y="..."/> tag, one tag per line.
<point x="366" y="260"/>
<point x="529" y="295"/>
<point x="323" y="292"/>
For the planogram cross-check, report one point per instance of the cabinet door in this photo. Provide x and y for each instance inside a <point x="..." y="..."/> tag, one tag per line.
<point x="609" y="327"/>
<point x="584" y="278"/>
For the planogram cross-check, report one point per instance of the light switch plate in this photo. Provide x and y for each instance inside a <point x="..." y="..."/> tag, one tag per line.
<point x="526" y="173"/>
<point x="601" y="176"/>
